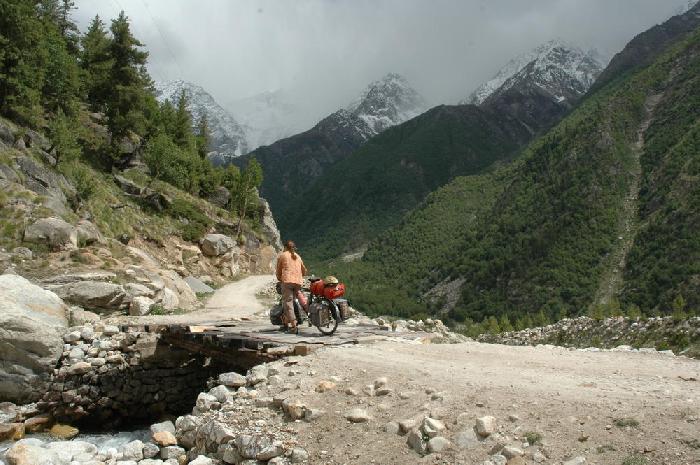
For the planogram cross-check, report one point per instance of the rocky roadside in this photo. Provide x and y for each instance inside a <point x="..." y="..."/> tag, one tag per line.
<point x="289" y="411"/>
<point x="617" y="333"/>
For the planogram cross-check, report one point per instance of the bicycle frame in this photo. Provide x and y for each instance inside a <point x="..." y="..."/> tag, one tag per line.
<point x="310" y="299"/>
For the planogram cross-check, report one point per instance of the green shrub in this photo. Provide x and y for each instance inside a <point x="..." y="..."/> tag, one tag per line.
<point x="193" y="223"/>
<point x="635" y="460"/>
<point x="533" y="437"/>
<point x="625" y="422"/>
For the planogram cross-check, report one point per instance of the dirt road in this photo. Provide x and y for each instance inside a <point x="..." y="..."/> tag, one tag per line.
<point x="233" y="301"/>
<point x="579" y="402"/>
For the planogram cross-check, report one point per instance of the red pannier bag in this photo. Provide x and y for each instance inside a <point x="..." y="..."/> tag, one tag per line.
<point x="317" y="287"/>
<point x="334" y="291"/>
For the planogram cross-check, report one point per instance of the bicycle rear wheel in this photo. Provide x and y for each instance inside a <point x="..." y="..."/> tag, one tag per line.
<point x="328" y="318"/>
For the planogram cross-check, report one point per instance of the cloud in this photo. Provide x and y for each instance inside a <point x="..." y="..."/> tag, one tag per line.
<point x="326" y="51"/>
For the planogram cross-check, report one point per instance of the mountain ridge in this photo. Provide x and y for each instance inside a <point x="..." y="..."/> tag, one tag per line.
<point x="292" y="164"/>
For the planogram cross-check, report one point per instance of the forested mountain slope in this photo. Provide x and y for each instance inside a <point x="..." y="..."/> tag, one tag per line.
<point x="373" y="188"/>
<point x="605" y="204"/>
<point x="545" y="244"/>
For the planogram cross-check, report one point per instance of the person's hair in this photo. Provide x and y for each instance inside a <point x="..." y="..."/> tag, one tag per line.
<point x="292" y="247"/>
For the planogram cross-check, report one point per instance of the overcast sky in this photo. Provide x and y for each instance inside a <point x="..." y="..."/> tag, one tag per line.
<point x="326" y="51"/>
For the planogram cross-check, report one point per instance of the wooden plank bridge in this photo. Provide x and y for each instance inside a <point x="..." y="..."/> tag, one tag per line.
<point x="256" y="339"/>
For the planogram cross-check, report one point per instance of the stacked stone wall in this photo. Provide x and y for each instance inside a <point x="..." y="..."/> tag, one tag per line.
<point x="106" y="378"/>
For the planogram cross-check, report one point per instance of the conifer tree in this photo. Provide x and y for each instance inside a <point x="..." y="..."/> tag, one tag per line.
<point x="128" y="83"/>
<point x="62" y="134"/>
<point x="96" y="63"/>
<point x="203" y="136"/>
<point x="21" y="62"/>
<point x="58" y="13"/>
<point x="183" y="135"/>
<point x="61" y="87"/>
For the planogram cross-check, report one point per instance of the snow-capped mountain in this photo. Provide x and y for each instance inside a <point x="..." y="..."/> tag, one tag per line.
<point x="228" y="138"/>
<point x="558" y="68"/>
<point x="275" y="115"/>
<point x="387" y="102"/>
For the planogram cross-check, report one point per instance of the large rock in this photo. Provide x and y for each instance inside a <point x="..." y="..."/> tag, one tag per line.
<point x="197" y="286"/>
<point x="7" y="134"/>
<point x="53" y="232"/>
<point x="269" y="226"/>
<point x="485" y="426"/>
<point x="214" y="245"/>
<point x="32" y="324"/>
<point x="27" y="453"/>
<point x="220" y="197"/>
<point x="127" y="185"/>
<point x="140" y="306"/>
<point x="88" y="233"/>
<point x="47" y="183"/>
<point x="93" y="294"/>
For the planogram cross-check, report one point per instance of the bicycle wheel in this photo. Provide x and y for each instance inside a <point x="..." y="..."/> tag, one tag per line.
<point x="327" y="318"/>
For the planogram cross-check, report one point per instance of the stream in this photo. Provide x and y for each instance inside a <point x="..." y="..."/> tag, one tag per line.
<point x="103" y="441"/>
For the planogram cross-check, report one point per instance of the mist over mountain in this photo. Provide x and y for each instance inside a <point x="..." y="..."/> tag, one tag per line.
<point x="272" y="115"/>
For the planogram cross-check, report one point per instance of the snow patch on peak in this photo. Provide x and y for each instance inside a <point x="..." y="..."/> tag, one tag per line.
<point x="387" y="102"/>
<point x="228" y="138"/>
<point x="547" y="62"/>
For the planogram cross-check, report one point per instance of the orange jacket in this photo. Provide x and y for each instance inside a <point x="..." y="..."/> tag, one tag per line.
<point x="290" y="270"/>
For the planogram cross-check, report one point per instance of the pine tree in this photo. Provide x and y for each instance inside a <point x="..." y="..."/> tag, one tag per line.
<point x="128" y="83"/>
<point x="58" y="13"/>
<point x="67" y="27"/>
<point x="96" y="63"/>
<point x="61" y="87"/>
<point x="62" y="130"/>
<point x="505" y="323"/>
<point x="492" y="326"/>
<point x="203" y="136"/>
<point x="21" y="62"/>
<point x="183" y="135"/>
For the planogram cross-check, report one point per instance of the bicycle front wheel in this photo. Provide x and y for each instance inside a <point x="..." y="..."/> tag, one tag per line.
<point x="327" y="318"/>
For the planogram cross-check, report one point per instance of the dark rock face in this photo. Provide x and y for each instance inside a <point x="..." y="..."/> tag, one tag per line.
<point x="220" y="197"/>
<point x="46" y="182"/>
<point x="146" y="195"/>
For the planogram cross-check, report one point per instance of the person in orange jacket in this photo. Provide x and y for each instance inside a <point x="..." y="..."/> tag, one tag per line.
<point x="290" y="272"/>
